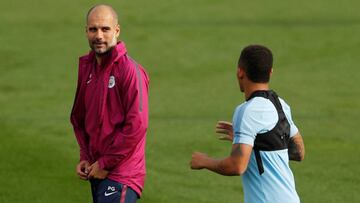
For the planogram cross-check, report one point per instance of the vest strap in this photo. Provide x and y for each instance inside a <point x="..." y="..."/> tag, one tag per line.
<point x="259" y="161"/>
<point x="275" y="139"/>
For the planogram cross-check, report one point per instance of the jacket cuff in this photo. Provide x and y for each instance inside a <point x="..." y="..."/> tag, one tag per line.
<point x="101" y="163"/>
<point x="84" y="156"/>
<point x="108" y="163"/>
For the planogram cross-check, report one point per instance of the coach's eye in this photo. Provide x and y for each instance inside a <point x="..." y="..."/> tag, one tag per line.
<point x="105" y="29"/>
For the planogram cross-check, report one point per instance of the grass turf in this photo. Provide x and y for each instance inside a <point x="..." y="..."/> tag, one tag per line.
<point x="190" y="49"/>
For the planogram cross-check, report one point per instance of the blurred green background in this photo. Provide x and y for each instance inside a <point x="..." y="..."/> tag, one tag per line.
<point x="190" y="50"/>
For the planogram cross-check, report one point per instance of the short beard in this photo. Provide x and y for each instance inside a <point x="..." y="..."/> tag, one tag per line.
<point x="105" y="53"/>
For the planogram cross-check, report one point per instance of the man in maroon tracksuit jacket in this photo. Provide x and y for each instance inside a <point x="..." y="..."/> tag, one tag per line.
<point x="110" y="113"/>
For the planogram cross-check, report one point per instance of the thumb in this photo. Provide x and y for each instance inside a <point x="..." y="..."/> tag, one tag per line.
<point x="88" y="168"/>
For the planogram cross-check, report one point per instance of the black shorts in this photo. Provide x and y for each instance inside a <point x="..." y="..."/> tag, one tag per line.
<point x="109" y="191"/>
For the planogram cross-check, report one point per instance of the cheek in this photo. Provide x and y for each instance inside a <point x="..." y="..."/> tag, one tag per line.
<point x="111" y="38"/>
<point x="90" y="36"/>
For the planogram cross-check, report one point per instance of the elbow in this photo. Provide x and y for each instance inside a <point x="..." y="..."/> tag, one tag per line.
<point x="236" y="173"/>
<point x="239" y="170"/>
<point x="242" y="171"/>
<point x="238" y="167"/>
<point x="298" y="157"/>
<point x="296" y="154"/>
<point x="302" y="156"/>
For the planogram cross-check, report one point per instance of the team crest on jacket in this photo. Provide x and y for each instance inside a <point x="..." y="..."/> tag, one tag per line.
<point x="111" y="82"/>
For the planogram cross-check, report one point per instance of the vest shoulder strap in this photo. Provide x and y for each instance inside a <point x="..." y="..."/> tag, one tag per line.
<point x="278" y="137"/>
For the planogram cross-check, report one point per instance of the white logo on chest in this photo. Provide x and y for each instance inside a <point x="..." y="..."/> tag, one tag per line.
<point x="89" y="80"/>
<point x="111" y="82"/>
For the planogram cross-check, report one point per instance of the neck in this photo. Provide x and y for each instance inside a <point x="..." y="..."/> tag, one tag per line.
<point x="101" y="58"/>
<point x="98" y="59"/>
<point x="255" y="87"/>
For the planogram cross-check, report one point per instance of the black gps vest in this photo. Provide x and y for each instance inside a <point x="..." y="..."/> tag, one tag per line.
<point x="278" y="137"/>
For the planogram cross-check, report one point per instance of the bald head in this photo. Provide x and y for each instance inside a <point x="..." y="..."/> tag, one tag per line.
<point x="102" y="10"/>
<point x="102" y="29"/>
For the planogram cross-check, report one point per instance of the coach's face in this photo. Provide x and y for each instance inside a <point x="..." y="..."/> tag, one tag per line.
<point x="102" y="31"/>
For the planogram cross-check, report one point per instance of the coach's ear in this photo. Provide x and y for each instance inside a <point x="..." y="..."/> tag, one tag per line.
<point x="271" y="71"/>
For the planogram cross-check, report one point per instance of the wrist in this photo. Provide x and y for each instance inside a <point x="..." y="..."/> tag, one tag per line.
<point x="84" y="161"/>
<point x="101" y="163"/>
<point x="208" y="163"/>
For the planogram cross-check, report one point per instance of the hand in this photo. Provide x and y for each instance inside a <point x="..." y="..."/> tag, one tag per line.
<point x="198" y="160"/>
<point x="226" y="129"/>
<point x="82" y="169"/>
<point x="96" y="172"/>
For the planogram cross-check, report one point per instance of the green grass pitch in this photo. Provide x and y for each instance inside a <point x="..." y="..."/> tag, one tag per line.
<point x="190" y="49"/>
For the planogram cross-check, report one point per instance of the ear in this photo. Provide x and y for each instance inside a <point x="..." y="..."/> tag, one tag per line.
<point x="240" y="73"/>
<point x="271" y="71"/>
<point x="117" y="30"/>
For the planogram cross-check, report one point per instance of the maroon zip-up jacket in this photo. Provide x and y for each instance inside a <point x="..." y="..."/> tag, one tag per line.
<point x="110" y="115"/>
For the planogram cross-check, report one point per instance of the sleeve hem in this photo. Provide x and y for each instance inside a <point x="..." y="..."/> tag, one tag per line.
<point x="243" y="140"/>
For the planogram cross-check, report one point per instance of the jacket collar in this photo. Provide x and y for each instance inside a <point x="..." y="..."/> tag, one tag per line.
<point x="118" y="51"/>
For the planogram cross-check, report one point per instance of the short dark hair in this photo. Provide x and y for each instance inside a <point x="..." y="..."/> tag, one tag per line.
<point x="257" y="61"/>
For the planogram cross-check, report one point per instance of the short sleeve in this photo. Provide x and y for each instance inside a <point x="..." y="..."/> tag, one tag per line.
<point x="251" y="118"/>
<point x="243" y="133"/>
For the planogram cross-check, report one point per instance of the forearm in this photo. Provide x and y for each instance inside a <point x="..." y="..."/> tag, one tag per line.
<point x="84" y="155"/>
<point x="82" y="142"/>
<point x="296" y="149"/>
<point x="108" y="162"/>
<point x="233" y="165"/>
<point x="295" y="154"/>
<point x="131" y="133"/>
<point x="122" y="146"/>
<point x="226" y="166"/>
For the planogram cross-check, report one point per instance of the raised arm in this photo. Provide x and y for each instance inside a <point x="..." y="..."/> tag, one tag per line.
<point x="296" y="148"/>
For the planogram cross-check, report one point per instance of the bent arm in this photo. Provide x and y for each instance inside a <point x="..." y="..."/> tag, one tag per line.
<point x="233" y="165"/>
<point x="296" y="148"/>
<point x="135" y="99"/>
<point x="77" y="118"/>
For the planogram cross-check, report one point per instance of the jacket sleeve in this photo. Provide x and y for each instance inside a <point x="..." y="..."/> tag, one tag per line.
<point x="134" y="95"/>
<point x="77" y="118"/>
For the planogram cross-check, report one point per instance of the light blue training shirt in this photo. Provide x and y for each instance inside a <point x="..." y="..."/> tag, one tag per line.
<point x="276" y="184"/>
